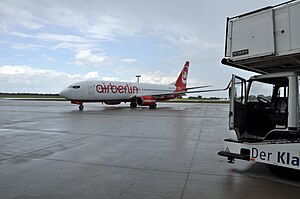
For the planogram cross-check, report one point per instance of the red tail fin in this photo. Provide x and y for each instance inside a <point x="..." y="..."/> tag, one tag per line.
<point x="182" y="78"/>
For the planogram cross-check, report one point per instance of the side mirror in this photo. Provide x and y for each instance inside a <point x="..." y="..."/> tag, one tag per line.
<point x="229" y="92"/>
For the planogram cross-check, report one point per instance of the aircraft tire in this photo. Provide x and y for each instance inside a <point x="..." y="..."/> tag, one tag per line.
<point x="81" y="107"/>
<point x="133" y="105"/>
<point x="153" y="106"/>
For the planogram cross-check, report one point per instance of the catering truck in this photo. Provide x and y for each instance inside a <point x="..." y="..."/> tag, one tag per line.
<point x="264" y="110"/>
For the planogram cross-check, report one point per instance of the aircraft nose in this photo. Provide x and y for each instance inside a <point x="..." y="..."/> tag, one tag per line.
<point x="63" y="93"/>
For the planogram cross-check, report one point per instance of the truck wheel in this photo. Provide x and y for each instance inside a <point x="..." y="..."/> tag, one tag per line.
<point x="284" y="173"/>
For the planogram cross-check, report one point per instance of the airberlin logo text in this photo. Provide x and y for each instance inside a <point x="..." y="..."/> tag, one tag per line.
<point x="112" y="88"/>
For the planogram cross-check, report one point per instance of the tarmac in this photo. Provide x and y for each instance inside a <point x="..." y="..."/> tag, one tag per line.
<point x="50" y="149"/>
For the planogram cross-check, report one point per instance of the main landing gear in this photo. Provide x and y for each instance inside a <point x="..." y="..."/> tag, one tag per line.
<point x="133" y="104"/>
<point x="153" y="106"/>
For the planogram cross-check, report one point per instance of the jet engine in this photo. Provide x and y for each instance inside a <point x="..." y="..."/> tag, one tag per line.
<point x="146" y="101"/>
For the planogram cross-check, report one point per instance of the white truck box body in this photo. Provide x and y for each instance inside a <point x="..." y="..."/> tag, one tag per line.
<point x="266" y="40"/>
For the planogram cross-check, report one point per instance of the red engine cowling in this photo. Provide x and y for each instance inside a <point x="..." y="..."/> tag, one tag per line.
<point x="112" y="102"/>
<point x="146" y="101"/>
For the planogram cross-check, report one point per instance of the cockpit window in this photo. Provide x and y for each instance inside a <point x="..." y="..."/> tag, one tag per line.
<point x="72" y="86"/>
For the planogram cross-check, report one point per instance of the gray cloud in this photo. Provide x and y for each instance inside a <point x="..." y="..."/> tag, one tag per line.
<point x="196" y="28"/>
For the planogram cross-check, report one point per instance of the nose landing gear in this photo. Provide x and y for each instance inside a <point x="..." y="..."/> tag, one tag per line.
<point x="79" y="103"/>
<point x="81" y="107"/>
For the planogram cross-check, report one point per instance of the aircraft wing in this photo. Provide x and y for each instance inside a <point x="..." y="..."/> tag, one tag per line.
<point x="190" y="88"/>
<point x="185" y="92"/>
<point x="198" y="91"/>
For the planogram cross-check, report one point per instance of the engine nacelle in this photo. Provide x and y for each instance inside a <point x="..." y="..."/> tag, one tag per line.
<point x="112" y="102"/>
<point x="146" y="101"/>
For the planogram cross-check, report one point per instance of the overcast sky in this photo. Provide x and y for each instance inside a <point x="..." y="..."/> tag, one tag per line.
<point x="47" y="44"/>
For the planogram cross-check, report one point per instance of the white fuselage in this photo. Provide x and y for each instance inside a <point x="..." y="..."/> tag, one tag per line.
<point x="112" y="91"/>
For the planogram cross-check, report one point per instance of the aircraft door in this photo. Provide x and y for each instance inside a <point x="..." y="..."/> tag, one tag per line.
<point x="237" y="111"/>
<point x="91" y="89"/>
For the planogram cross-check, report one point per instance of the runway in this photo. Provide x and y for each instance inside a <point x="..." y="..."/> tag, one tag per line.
<point x="53" y="150"/>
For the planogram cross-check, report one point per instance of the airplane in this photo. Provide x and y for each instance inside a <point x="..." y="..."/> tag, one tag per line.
<point x="142" y="94"/>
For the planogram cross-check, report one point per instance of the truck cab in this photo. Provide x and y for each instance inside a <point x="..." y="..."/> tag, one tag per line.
<point x="265" y="107"/>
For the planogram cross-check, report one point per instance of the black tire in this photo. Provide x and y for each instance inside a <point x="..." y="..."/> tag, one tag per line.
<point x="153" y="106"/>
<point x="81" y="107"/>
<point x="284" y="173"/>
<point x="133" y="105"/>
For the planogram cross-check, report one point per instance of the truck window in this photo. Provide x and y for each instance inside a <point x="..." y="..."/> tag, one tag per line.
<point x="260" y="90"/>
<point x="239" y="92"/>
<point x="282" y="92"/>
<point x="299" y="94"/>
